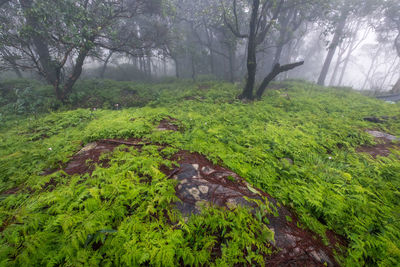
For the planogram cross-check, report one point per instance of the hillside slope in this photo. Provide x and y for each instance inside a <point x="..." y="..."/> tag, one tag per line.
<point x="300" y="144"/>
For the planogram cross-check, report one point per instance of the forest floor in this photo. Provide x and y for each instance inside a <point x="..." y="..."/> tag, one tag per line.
<point x="304" y="177"/>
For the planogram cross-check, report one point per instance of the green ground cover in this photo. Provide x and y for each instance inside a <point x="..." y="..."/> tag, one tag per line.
<point x="112" y="217"/>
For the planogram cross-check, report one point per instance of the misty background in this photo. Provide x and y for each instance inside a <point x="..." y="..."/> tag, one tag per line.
<point x="342" y="43"/>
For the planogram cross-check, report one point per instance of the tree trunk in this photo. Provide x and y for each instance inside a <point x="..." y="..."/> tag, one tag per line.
<point x="332" y="48"/>
<point x="17" y="72"/>
<point x="335" y="71"/>
<point x="282" y="36"/>
<point x="278" y="54"/>
<point x="288" y="57"/>
<point x="277" y="69"/>
<point x="176" y="68"/>
<point x="212" y="68"/>
<point x="11" y="60"/>
<point x="141" y="65"/>
<point x="165" y="66"/>
<point x="104" y="68"/>
<point x="76" y="73"/>
<point x="148" y="68"/>
<point x="193" y="68"/>
<point x="251" y="54"/>
<point x="396" y="87"/>
<point x="371" y="67"/>
<point x="347" y="60"/>
<point x="231" y="64"/>
<point x="50" y="69"/>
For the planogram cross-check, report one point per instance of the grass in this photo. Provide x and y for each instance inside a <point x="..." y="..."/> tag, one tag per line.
<point x="113" y="218"/>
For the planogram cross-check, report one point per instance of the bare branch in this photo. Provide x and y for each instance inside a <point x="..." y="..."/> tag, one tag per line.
<point x="275" y="72"/>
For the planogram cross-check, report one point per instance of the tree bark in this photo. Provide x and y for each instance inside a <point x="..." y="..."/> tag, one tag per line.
<point x="177" y="68"/>
<point x="212" y="68"/>
<point x="282" y="35"/>
<point x="278" y="54"/>
<point x="371" y="67"/>
<point x="11" y="60"/>
<point x="251" y="54"/>
<point x="148" y="66"/>
<point x="76" y="73"/>
<point x="332" y="48"/>
<point x="50" y="70"/>
<point x="335" y="71"/>
<point x="17" y="72"/>
<point x="396" y="87"/>
<point x="165" y="66"/>
<point x="193" y="68"/>
<point x="347" y="60"/>
<point x="277" y="69"/>
<point x="231" y="64"/>
<point x="210" y="47"/>
<point x="104" y="68"/>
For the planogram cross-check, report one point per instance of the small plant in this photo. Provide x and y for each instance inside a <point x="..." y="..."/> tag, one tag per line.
<point x="352" y="194"/>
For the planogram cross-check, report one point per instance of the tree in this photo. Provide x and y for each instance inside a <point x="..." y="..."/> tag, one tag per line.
<point x="337" y="38"/>
<point x="55" y="37"/>
<point x="390" y="30"/>
<point x="340" y="12"/>
<point x="262" y="19"/>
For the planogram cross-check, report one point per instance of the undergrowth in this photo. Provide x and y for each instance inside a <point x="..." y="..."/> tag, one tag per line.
<point x="115" y="218"/>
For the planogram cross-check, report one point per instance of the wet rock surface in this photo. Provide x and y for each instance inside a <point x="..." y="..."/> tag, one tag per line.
<point x="202" y="183"/>
<point x="385" y="143"/>
<point x="168" y="124"/>
<point x="374" y="119"/>
<point x="382" y="135"/>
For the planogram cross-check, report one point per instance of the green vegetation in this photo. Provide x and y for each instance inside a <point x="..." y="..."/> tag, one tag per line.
<point x="116" y="217"/>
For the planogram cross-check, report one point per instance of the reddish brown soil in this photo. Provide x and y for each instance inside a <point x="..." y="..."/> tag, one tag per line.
<point x="7" y="193"/>
<point x="85" y="160"/>
<point x="6" y="223"/>
<point x="381" y="149"/>
<point x="294" y="246"/>
<point x="11" y="191"/>
<point x="168" y="124"/>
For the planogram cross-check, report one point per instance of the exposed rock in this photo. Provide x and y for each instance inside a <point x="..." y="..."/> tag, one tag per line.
<point x="195" y="193"/>
<point x="202" y="183"/>
<point x="87" y="148"/>
<point x="203" y="189"/>
<point x="187" y="171"/>
<point x="168" y="124"/>
<point x="374" y="119"/>
<point x="207" y="171"/>
<point x="84" y="160"/>
<point x="11" y="191"/>
<point x="386" y="142"/>
<point x="378" y="134"/>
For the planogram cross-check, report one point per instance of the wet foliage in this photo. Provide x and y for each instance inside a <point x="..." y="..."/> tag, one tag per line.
<point x="299" y="144"/>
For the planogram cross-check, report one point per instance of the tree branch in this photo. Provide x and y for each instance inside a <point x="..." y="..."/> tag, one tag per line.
<point x="234" y="30"/>
<point x="275" y="72"/>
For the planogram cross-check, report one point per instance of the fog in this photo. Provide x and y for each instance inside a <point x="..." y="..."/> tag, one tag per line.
<point x="200" y="133"/>
<point x="332" y="43"/>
